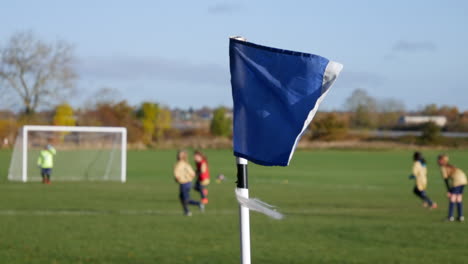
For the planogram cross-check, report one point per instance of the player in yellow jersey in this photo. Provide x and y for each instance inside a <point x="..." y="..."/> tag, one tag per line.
<point x="183" y="175"/>
<point x="45" y="161"/>
<point x="455" y="180"/>
<point x="420" y="175"/>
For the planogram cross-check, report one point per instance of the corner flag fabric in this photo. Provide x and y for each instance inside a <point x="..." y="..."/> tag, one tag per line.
<point x="276" y="94"/>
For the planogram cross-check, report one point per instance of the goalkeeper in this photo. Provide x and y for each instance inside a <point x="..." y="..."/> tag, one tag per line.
<point x="46" y="162"/>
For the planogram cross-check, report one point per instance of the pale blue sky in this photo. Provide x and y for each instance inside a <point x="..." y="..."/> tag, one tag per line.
<point x="176" y="52"/>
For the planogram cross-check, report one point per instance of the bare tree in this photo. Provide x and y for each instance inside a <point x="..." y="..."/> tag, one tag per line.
<point x="363" y="108"/>
<point x="361" y="99"/>
<point x="36" y="72"/>
<point x="104" y="95"/>
<point x="390" y="105"/>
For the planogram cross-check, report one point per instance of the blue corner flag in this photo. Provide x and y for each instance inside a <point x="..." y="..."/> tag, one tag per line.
<point x="276" y="94"/>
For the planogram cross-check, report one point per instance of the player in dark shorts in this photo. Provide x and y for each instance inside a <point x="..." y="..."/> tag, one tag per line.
<point x="420" y="175"/>
<point x="203" y="175"/>
<point x="455" y="180"/>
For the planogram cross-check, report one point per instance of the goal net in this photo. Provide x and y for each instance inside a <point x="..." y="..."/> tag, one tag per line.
<point x="82" y="153"/>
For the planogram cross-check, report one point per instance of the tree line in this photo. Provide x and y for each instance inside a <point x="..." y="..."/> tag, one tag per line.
<point x="364" y="112"/>
<point x="146" y="123"/>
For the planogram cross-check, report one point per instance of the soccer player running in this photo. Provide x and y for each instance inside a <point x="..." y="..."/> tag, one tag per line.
<point x="184" y="174"/>
<point x="46" y="162"/>
<point x="455" y="180"/>
<point x="420" y="174"/>
<point x="203" y="175"/>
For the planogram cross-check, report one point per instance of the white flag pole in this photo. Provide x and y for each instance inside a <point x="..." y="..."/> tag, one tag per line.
<point x="243" y="190"/>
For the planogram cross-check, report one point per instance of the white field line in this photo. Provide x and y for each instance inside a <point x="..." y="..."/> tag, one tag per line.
<point x="100" y="212"/>
<point x="67" y="212"/>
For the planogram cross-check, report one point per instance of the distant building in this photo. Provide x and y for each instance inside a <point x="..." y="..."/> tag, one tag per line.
<point x="204" y="113"/>
<point x="418" y="120"/>
<point x="194" y="118"/>
<point x="229" y="113"/>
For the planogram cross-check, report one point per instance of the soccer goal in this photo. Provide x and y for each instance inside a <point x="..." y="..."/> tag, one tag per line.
<point x="82" y="153"/>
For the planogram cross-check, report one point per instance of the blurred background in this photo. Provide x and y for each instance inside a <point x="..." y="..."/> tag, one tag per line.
<point x="160" y="68"/>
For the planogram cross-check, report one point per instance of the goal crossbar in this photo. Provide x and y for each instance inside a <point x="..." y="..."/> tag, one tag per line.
<point x="74" y="128"/>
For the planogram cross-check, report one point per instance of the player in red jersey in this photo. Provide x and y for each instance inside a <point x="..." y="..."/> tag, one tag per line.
<point x="203" y="175"/>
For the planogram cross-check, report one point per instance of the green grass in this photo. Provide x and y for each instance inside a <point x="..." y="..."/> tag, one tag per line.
<point x="340" y="206"/>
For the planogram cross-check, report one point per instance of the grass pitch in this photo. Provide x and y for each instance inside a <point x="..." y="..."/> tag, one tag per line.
<point x="340" y="206"/>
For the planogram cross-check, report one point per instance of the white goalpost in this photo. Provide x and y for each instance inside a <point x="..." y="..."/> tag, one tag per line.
<point x="82" y="153"/>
